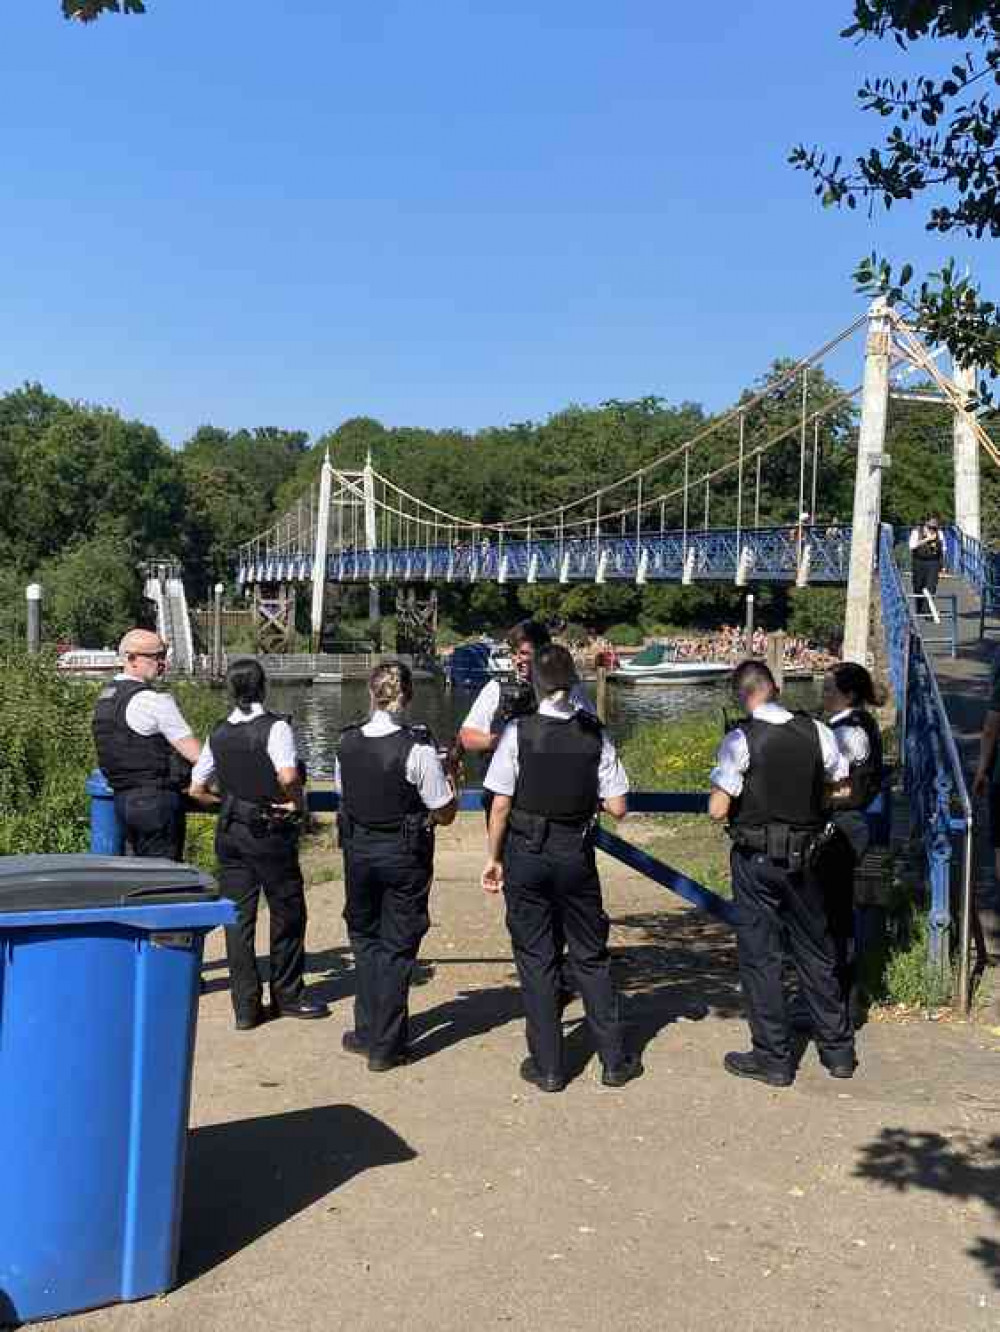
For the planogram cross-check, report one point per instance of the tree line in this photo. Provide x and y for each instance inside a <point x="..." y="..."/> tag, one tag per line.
<point x="88" y="495"/>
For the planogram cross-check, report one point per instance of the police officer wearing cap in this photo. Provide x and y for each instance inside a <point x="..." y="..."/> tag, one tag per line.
<point x="251" y="758"/>
<point x="145" y="749"/>
<point x="394" y="790"/>
<point x="552" y="771"/>
<point x="848" y="690"/>
<point x="770" y="784"/>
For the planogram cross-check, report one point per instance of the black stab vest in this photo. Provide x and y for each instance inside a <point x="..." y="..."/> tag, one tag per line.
<point x="865" y="778"/>
<point x="785" y="781"/>
<point x="242" y="764"/>
<point x="558" y="763"/>
<point x="375" y="790"/>
<point x="129" y="760"/>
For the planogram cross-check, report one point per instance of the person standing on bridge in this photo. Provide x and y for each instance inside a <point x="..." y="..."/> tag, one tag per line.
<point x="394" y="791"/>
<point x="552" y="771"/>
<point x="769" y="784"/>
<point x="926" y="558"/>
<point x="145" y="749"/>
<point x="251" y="758"/>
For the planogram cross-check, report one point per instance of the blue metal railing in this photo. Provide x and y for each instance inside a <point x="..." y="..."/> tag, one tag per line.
<point x="819" y="555"/>
<point x="106" y="835"/>
<point x="933" y="779"/>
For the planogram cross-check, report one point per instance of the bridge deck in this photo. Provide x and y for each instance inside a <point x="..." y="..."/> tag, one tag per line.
<point x="775" y="554"/>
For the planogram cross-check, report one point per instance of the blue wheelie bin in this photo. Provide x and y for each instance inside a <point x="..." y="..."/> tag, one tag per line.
<point x="100" y="959"/>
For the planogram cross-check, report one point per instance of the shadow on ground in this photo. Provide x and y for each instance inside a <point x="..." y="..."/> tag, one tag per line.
<point x="246" y="1177"/>
<point x="959" y="1166"/>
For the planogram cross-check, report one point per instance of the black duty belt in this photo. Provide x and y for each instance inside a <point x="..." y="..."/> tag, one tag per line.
<point x="536" y="829"/>
<point x="261" y="819"/>
<point x="414" y="830"/>
<point x="794" y="847"/>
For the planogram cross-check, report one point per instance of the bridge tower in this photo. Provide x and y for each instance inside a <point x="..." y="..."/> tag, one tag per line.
<point x="966" y="456"/>
<point x="868" y="482"/>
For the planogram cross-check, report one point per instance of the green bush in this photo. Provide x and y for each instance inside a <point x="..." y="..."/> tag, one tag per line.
<point x="673" y="755"/>
<point x="625" y="635"/>
<point x="817" y="613"/>
<point x="47" y="753"/>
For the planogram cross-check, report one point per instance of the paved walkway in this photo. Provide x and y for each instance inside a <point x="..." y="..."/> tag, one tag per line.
<point x="449" y="1196"/>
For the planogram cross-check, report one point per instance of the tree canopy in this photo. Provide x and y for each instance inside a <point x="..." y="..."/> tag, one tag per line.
<point x="940" y="148"/>
<point x="85" y="11"/>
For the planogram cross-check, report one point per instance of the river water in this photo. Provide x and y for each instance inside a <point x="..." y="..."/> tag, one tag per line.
<point x="319" y="712"/>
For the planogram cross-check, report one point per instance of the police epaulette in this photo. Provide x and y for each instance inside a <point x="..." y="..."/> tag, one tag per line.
<point x="351" y="726"/>
<point x="588" y="721"/>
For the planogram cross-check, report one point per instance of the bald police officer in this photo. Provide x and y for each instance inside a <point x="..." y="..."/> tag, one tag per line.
<point x="394" y="791"/>
<point x="770" y="784"/>
<point x="552" y="771"/>
<point x="145" y="749"/>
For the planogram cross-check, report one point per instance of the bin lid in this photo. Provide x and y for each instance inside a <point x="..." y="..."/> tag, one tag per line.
<point x="59" y="883"/>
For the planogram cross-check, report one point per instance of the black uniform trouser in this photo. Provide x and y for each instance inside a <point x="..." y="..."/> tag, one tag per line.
<point x="925" y="575"/>
<point x="836" y="870"/>
<point x="387" y="889"/>
<point x="775" y="904"/>
<point x="153" y="820"/>
<point x="555" y="894"/>
<point x="248" y="864"/>
<point x="567" y="984"/>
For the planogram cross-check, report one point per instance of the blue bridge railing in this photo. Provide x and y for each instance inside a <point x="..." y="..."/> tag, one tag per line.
<point x="775" y="554"/>
<point x="934" y="783"/>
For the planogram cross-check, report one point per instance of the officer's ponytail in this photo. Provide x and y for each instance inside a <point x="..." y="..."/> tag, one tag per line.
<point x="855" y="683"/>
<point x="391" y="686"/>
<point x="246" y="682"/>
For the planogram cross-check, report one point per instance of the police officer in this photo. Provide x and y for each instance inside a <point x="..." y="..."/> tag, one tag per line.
<point x="848" y="690"/>
<point x="498" y="702"/>
<point x="770" y="784"/>
<point x="552" y="771"/>
<point x="145" y="749"/>
<point x="495" y="705"/>
<point x="394" y="790"/>
<point x="251" y="758"/>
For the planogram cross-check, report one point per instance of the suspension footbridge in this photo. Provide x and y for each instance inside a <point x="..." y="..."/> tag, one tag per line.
<point x="692" y="513"/>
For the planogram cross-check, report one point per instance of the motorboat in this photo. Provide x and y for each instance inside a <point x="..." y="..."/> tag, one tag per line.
<point x="91" y="662"/>
<point x="660" y="664"/>
<point x="473" y="664"/>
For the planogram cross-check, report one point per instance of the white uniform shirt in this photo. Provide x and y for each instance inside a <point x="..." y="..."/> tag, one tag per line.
<point x="153" y="713"/>
<point x="280" y="745"/>
<point x="733" y="760"/>
<point x="484" y="708"/>
<point x="423" y="767"/>
<point x="501" y="778"/>
<point x="852" y="741"/>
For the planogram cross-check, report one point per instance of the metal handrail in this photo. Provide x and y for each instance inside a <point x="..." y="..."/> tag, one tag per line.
<point x="929" y="747"/>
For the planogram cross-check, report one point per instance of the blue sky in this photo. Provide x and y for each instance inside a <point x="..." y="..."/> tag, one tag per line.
<point x="246" y="212"/>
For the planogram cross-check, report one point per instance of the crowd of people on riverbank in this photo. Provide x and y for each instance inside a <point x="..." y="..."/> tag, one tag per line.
<point x="729" y="644"/>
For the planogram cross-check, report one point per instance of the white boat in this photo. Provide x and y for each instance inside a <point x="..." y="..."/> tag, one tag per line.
<point x="499" y="661"/>
<point x="659" y="664"/>
<point x="89" y="661"/>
